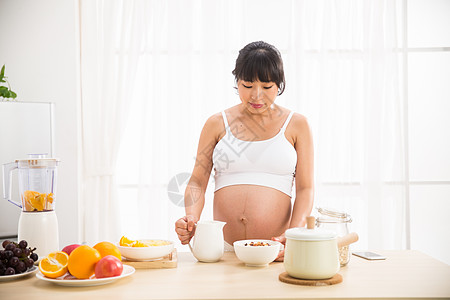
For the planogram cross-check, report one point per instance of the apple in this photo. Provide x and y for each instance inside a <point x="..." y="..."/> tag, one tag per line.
<point x="108" y="266"/>
<point x="70" y="248"/>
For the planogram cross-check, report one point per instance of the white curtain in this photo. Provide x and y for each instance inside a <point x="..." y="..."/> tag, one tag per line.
<point x="342" y="72"/>
<point x="346" y="71"/>
<point x="109" y="54"/>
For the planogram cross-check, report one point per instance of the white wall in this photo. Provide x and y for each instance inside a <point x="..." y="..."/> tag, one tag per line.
<point x="39" y="45"/>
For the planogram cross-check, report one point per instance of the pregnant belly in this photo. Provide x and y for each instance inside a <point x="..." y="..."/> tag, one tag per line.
<point x="252" y="212"/>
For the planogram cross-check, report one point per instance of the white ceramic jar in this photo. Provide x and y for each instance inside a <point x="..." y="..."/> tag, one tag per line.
<point x="311" y="253"/>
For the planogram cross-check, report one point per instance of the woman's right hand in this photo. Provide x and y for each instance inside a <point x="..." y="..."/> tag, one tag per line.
<point x="185" y="228"/>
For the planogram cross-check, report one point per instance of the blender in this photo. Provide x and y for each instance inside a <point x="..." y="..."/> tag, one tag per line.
<point x="38" y="224"/>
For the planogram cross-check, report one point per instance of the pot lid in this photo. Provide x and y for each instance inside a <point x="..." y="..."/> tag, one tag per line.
<point x="305" y="234"/>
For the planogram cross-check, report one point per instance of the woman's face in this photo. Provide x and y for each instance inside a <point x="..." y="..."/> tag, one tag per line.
<point x="257" y="96"/>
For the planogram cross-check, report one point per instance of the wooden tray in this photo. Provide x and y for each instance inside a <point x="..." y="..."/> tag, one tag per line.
<point x="168" y="261"/>
<point x="284" y="277"/>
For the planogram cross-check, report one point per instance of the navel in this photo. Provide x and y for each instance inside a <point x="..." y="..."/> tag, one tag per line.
<point x="244" y="220"/>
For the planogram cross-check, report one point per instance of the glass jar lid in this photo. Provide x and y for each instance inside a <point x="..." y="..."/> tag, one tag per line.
<point x="333" y="216"/>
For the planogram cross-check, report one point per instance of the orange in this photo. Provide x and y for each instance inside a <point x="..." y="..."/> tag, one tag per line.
<point x="139" y="243"/>
<point x="50" y="197"/>
<point x="38" y="202"/>
<point x="30" y="197"/>
<point x="49" y="201"/>
<point x="126" y="242"/>
<point x="107" y="248"/>
<point x="82" y="261"/>
<point x="54" y="265"/>
<point x="26" y="203"/>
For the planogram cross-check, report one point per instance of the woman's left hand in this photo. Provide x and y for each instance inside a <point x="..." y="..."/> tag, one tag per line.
<point x="282" y="240"/>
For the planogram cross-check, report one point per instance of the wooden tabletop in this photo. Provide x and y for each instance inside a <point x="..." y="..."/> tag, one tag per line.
<point x="404" y="274"/>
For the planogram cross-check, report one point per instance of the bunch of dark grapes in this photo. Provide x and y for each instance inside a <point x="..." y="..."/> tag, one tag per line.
<point x="16" y="258"/>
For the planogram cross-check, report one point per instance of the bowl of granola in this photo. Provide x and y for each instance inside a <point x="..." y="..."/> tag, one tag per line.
<point x="256" y="253"/>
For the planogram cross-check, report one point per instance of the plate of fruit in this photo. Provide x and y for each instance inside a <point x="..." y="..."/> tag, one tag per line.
<point x="17" y="260"/>
<point x="82" y="265"/>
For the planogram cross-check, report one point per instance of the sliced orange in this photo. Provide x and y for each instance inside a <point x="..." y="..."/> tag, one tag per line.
<point x="107" y="248"/>
<point x="126" y="242"/>
<point x="38" y="202"/>
<point x="50" y="197"/>
<point x="28" y="197"/>
<point x="27" y="204"/>
<point x="49" y="202"/>
<point x="139" y="244"/>
<point x="54" y="265"/>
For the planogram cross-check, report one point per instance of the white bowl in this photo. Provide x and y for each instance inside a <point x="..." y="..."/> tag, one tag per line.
<point x="146" y="253"/>
<point x="256" y="256"/>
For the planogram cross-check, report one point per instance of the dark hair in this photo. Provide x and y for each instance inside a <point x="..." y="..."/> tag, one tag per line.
<point x="260" y="61"/>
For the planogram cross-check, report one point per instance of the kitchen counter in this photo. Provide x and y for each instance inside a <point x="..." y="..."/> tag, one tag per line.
<point x="404" y="274"/>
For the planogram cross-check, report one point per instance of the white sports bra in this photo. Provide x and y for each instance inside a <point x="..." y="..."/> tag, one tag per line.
<point x="269" y="163"/>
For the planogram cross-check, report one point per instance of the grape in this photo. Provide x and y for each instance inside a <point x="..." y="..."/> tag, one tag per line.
<point x="23" y="244"/>
<point x="8" y="254"/>
<point x="10" y="246"/>
<point x="21" y="267"/>
<point x="28" y="262"/>
<point x="17" y="252"/>
<point x="34" y="256"/>
<point x="10" y="271"/>
<point x="14" y="261"/>
<point x="5" y="243"/>
<point x="16" y="258"/>
<point x="26" y="252"/>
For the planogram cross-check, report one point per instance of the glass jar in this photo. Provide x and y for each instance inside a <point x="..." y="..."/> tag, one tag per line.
<point x="336" y="221"/>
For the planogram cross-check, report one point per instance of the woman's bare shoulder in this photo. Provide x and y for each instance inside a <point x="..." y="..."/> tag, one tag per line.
<point x="214" y="125"/>
<point x="299" y="119"/>
<point x="299" y="126"/>
<point x="216" y="120"/>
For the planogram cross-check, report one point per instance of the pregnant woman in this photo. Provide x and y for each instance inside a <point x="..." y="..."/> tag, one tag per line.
<point x="259" y="151"/>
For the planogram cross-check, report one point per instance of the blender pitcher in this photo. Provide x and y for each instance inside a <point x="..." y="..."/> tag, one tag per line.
<point x="38" y="224"/>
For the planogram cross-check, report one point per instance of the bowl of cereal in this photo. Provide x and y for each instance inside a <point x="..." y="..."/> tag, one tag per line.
<point x="257" y="253"/>
<point x="144" y="249"/>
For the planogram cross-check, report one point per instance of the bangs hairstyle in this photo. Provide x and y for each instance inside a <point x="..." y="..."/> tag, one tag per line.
<point x="260" y="61"/>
